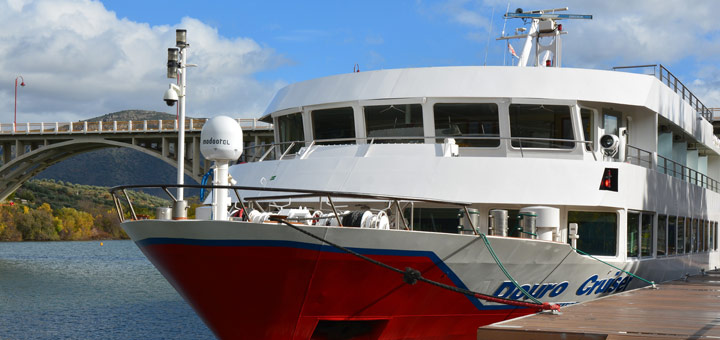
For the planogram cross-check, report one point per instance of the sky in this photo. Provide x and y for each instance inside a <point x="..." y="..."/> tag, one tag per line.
<point x="81" y="58"/>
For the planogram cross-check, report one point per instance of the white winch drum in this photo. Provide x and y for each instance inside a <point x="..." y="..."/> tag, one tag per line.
<point x="547" y="221"/>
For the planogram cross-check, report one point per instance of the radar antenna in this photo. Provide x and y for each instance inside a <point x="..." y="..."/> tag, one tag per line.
<point x="543" y="24"/>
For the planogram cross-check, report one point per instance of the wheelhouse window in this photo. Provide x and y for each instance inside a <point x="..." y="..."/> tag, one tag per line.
<point x="290" y="129"/>
<point x="541" y="126"/>
<point x="478" y="121"/>
<point x="401" y="120"/>
<point x="646" y="235"/>
<point x="661" y="235"/>
<point x="597" y="231"/>
<point x="672" y="235"/>
<point x="336" y="123"/>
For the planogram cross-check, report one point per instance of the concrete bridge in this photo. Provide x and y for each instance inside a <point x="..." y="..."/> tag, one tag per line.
<point x="28" y="149"/>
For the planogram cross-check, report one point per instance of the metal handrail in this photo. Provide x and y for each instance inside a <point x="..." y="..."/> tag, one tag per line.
<point x="666" y="77"/>
<point x="129" y="126"/>
<point x="281" y="151"/>
<point x="684" y="173"/>
<point x="119" y="194"/>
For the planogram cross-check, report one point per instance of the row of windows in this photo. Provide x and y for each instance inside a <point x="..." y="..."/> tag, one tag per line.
<point x="471" y="124"/>
<point x="675" y="234"/>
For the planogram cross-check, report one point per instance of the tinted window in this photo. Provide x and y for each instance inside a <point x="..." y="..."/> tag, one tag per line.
<point x="661" y="233"/>
<point x="597" y="231"/>
<point x="532" y="125"/>
<point x="336" y="123"/>
<point x="402" y="120"/>
<point x="475" y="120"/>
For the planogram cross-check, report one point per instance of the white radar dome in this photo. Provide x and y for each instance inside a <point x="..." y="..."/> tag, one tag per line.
<point x="221" y="138"/>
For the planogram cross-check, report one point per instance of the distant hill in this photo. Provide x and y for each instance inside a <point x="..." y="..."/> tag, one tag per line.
<point x="116" y="166"/>
<point x="134" y="115"/>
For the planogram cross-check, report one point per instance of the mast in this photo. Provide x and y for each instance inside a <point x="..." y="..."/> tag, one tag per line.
<point x="543" y="24"/>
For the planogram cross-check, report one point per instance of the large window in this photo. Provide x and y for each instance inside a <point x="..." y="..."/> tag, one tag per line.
<point x="681" y="235"/>
<point x="639" y="234"/>
<point x="335" y="123"/>
<point x="633" y="230"/>
<point x="672" y="235"/>
<point x="290" y="129"/>
<point x="688" y="235"/>
<point x="444" y="220"/>
<point x="597" y="231"/>
<point x="401" y="120"/>
<point x="531" y="126"/>
<point x="479" y="121"/>
<point x="694" y="236"/>
<point x="646" y="235"/>
<point x="661" y="235"/>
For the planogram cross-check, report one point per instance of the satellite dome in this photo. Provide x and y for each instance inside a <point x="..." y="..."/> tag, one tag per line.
<point x="221" y="138"/>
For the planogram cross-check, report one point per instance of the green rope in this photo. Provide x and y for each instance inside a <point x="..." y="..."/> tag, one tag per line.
<point x="492" y="252"/>
<point x="620" y="269"/>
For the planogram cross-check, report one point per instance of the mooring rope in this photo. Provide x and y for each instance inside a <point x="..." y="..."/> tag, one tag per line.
<point x="620" y="269"/>
<point x="411" y="275"/>
<point x="502" y="268"/>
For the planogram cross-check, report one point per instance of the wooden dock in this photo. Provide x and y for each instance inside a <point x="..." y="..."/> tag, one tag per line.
<point x="677" y="310"/>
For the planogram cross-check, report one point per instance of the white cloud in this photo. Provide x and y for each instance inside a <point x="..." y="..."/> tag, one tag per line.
<point x="79" y="61"/>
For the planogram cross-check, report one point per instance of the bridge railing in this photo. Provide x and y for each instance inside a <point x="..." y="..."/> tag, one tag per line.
<point x="85" y="127"/>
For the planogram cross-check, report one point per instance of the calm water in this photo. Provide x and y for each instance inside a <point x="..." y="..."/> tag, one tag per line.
<point x="81" y="290"/>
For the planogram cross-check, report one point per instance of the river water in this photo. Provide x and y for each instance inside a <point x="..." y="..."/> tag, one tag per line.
<point x="85" y="290"/>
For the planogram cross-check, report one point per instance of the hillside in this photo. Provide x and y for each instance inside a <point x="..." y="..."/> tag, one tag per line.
<point x="48" y="210"/>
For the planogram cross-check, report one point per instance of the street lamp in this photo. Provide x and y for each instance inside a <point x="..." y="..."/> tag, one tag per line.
<point x="176" y="66"/>
<point x="22" y="83"/>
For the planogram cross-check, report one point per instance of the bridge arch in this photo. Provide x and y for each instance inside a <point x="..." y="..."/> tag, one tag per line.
<point x="20" y="169"/>
<point x="39" y="145"/>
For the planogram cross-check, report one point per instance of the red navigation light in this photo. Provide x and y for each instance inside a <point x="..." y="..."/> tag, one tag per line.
<point x="548" y="63"/>
<point x="559" y="27"/>
<point x="609" y="180"/>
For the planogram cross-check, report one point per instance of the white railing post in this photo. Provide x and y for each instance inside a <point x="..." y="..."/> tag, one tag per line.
<point x="114" y="125"/>
<point x="85" y="126"/>
<point x="145" y="125"/>
<point x="42" y="128"/>
<point x="27" y="128"/>
<point x="57" y="127"/>
<point x="160" y="125"/>
<point x="130" y="126"/>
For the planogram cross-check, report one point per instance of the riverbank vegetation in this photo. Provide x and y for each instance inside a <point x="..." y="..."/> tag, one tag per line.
<point x="46" y="210"/>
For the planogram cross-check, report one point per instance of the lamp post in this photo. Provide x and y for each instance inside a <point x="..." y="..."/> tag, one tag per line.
<point x="176" y="68"/>
<point x="22" y="83"/>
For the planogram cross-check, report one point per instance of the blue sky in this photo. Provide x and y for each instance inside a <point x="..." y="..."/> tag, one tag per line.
<point x="83" y="58"/>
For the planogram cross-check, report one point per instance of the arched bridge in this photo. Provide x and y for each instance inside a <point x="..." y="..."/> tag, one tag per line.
<point x="27" y="149"/>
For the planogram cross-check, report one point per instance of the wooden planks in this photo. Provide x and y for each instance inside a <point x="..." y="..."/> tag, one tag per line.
<point x="677" y="310"/>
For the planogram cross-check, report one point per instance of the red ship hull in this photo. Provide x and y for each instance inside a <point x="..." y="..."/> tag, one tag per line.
<point x="289" y="290"/>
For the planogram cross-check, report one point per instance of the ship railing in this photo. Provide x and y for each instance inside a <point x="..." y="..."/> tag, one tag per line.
<point x="85" y="127"/>
<point x="644" y="158"/>
<point x="637" y="156"/>
<point x="669" y="79"/>
<point x="291" y="149"/>
<point x="122" y="200"/>
<point x="677" y="170"/>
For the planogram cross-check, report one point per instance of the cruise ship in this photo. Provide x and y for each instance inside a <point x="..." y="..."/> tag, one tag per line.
<point x="423" y="203"/>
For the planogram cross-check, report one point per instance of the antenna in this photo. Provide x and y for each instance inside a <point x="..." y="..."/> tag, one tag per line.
<point x="543" y="24"/>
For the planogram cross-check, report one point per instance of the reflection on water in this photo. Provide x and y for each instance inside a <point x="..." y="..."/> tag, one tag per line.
<point x="82" y="290"/>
